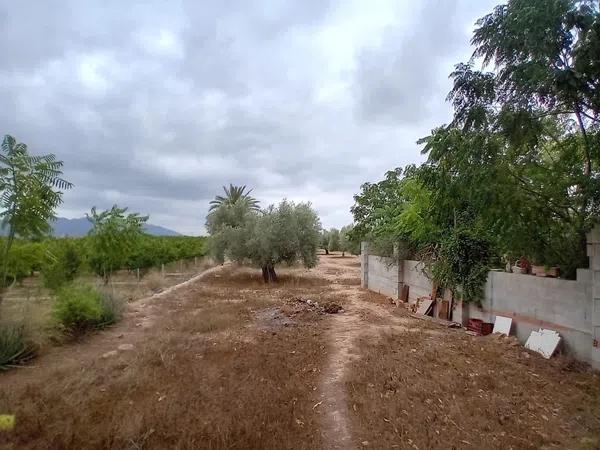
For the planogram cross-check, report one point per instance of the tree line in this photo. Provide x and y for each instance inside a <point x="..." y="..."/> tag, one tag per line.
<point x="334" y="240"/>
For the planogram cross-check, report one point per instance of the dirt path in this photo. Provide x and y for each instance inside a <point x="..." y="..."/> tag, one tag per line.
<point x="344" y="331"/>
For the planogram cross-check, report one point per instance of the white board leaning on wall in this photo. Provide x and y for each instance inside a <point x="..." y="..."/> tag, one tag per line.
<point x="543" y="341"/>
<point x="502" y="325"/>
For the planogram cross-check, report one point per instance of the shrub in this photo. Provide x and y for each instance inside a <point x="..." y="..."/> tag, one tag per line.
<point x="463" y="263"/>
<point x="80" y="308"/>
<point x="15" y="346"/>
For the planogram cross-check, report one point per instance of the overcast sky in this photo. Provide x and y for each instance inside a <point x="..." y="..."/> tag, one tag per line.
<point x="156" y="105"/>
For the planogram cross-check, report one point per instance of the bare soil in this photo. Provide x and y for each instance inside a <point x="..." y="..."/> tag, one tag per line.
<point x="225" y="361"/>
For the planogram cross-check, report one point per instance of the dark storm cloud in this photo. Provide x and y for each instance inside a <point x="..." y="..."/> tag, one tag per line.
<point x="156" y="105"/>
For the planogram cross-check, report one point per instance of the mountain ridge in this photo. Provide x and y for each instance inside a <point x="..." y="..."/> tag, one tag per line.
<point x="78" y="227"/>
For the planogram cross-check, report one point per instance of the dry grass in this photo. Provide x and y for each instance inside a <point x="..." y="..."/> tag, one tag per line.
<point x="415" y="390"/>
<point x="205" y="376"/>
<point x="155" y="281"/>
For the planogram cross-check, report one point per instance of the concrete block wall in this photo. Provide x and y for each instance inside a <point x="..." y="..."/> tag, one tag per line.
<point x="383" y="276"/>
<point x="414" y="276"/>
<point x="534" y="302"/>
<point x="570" y="307"/>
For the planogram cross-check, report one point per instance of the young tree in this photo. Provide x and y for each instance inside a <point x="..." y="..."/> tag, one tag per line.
<point x="334" y="240"/>
<point x="31" y="190"/>
<point x="113" y="238"/>
<point x="284" y="234"/>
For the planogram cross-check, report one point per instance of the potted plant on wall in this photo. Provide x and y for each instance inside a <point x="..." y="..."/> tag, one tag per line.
<point x="522" y="265"/>
<point x="552" y="271"/>
<point x="538" y="270"/>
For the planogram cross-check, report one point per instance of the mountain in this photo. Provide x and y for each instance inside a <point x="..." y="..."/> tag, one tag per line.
<point x="81" y="227"/>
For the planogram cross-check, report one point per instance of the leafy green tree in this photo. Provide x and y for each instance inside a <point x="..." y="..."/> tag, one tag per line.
<point x="286" y="234"/>
<point x="31" y="190"/>
<point x="516" y="172"/>
<point x="113" y="239"/>
<point x="233" y="195"/>
<point x="347" y="244"/>
<point x="521" y="155"/>
<point x="377" y="205"/>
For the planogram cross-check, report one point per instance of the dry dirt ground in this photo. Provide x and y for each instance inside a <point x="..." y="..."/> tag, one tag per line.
<point x="225" y="361"/>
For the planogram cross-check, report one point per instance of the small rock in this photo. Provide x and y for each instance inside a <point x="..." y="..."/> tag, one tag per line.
<point x="365" y="443"/>
<point x="125" y="347"/>
<point x="109" y="354"/>
<point x="120" y="336"/>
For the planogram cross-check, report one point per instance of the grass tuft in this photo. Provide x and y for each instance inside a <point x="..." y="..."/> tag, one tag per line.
<point x="15" y="346"/>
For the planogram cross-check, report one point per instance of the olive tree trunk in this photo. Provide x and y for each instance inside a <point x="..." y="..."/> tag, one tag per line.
<point x="269" y="274"/>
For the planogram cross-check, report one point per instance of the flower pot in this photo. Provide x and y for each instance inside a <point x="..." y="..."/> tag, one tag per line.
<point x="553" y="272"/>
<point x="538" y="271"/>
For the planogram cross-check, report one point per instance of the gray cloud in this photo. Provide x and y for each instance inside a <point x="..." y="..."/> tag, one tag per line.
<point x="155" y="105"/>
<point x="399" y="78"/>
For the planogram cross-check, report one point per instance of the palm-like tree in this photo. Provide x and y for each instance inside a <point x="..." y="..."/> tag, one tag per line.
<point x="233" y="195"/>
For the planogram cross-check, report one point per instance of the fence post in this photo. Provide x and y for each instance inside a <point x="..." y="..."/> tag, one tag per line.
<point x="138" y="274"/>
<point x="593" y="252"/>
<point x="364" y="264"/>
<point x="162" y="270"/>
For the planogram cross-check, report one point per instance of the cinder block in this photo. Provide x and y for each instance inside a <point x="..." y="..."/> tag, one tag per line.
<point x="594" y="235"/>
<point x="593" y="249"/>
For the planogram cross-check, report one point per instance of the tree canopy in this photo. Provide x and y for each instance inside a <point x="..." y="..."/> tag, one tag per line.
<point x="286" y="233"/>
<point x="516" y="172"/>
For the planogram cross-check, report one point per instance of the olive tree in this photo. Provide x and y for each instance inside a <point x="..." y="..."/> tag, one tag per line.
<point x="334" y="240"/>
<point x="347" y="244"/>
<point x="286" y="233"/>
